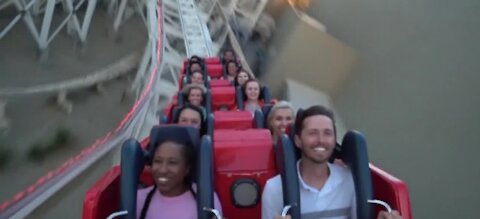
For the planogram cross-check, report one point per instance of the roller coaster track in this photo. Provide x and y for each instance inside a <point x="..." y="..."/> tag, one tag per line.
<point x="177" y="29"/>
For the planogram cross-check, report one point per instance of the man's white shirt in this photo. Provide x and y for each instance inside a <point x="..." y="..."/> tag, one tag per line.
<point x="335" y="200"/>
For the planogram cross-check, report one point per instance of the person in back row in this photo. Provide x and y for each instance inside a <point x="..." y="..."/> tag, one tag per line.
<point x="173" y="194"/>
<point x="197" y="78"/>
<point x="194" y="94"/>
<point x="229" y="55"/>
<point x="232" y="70"/>
<point x="195" y="66"/>
<point x="242" y="77"/>
<point x="251" y="95"/>
<point x="325" y="188"/>
<point x="279" y="118"/>
<point x="192" y="115"/>
<point x="195" y="58"/>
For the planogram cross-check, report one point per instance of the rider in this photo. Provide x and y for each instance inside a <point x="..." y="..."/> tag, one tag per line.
<point x="173" y="194"/>
<point x="325" y="188"/>
<point x="279" y="118"/>
<point x="251" y="95"/>
<point x="242" y="77"/>
<point x="192" y="115"/>
<point x="194" y="94"/>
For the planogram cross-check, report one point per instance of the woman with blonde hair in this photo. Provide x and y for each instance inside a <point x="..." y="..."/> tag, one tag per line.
<point x="279" y="118"/>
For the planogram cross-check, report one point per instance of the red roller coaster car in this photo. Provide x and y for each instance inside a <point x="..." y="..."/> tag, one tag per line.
<point x="243" y="159"/>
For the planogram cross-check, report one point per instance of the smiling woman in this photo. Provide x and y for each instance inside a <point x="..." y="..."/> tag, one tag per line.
<point x="173" y="194"/>
<point x="280" y="117"/>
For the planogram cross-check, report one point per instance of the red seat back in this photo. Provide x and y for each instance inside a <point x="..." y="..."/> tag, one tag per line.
<point x="212" y="60"/>
<point x="223" y="97"/>
<point x="220" y="83"/>
<point x="239" y="120"/>
<point x="215" y="70"/>
<point x="245" y="155"/>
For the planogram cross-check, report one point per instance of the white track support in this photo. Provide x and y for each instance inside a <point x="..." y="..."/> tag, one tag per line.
<point x="30" y="10"/>
<point x="27" y="18"/>
<point x="47" y="21"/>
<point x="5" y="4"/>
<point x="121" y="10"/>
<point x="140" y="77"/>
<point x="10" y="25"/>
<point x="120" y="13"/>
<point x="83" y="31"/>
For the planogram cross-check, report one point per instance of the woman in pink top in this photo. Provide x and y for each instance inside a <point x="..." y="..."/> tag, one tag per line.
<point x="173" y="195"/>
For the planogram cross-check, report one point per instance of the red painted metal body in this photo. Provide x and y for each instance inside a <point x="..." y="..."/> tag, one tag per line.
<point x="238" y="155"/>
<point x="391" y="190"/>
<point x="215" y="70"/>
<point x="233" y="120"/>
<point x="220" y="83"/>
<point x="223" y="97"/>
<point x="240" y="152"/>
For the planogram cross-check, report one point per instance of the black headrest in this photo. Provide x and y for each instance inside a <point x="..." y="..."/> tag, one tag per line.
<point x="266" y="111"/>
<point x="265" y="94"/>
<point x="210" y="124"/>
<point x="285" y="161"/>
<point x="131" y="165"/>
<point x="354" y="153"/>
<point x="239" y="97"/>
<point x="185" y="135"/>
<point x="258" y="118"/>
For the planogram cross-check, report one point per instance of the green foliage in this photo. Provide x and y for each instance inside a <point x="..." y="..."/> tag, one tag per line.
<point x="5" y="155"/>
<point x="36" y="152"/>
<point x="60" y="140"/>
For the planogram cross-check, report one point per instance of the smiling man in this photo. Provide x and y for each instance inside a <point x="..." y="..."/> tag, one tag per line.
<point x="326" y="189"/>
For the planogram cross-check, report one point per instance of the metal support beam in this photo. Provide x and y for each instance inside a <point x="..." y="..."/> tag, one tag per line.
<point x="47" y="21"/>
<point x="119" y="15"/>
<point x="87" y="20"/>
<point x="10" y="26"/>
